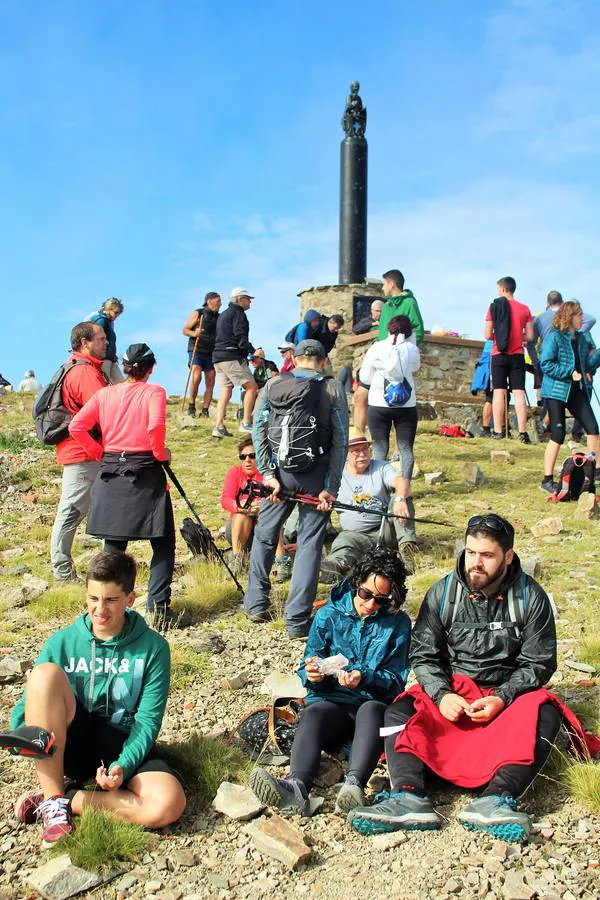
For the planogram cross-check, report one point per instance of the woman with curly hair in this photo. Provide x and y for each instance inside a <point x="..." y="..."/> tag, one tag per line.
<point x="363" y="622"/>
<point x="566" y="361"/>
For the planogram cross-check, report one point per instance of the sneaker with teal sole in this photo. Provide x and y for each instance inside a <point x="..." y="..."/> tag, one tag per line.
<point x="497" y="814"/>
<point x="395" y="810"/>
<point x="279" y="793"/>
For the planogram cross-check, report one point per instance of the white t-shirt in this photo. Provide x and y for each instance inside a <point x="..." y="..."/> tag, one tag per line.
<point x="371" y="489"/>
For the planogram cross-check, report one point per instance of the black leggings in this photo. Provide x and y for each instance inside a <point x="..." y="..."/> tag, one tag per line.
<point x="578" y="404"/>
<point x="327" y="726"/>
<point x="407" y="769"/>
<point x="161" y="565"/>
<point x="404" y="420"/>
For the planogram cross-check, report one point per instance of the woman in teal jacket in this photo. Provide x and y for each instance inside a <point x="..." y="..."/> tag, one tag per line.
<point x="363" y="622"/>
<point x="566" y="361"/>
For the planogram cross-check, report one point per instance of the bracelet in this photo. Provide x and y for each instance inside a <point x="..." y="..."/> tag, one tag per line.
<point x="399" y="499"/>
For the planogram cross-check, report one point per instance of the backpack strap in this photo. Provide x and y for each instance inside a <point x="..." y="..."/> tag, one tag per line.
<point x="517" y="602"/>
<point x="452" y="594"/>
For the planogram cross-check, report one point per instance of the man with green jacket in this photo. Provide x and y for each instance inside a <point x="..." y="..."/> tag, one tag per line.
<point x="399" y="302"/>
<point x="101" y="686"/>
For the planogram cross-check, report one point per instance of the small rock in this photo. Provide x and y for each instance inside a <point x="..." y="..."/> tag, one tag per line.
<point x="330" y="772"/>
<point x="587" y="507"/>
<point x="234" y="682"/>
<point x="584" y="827"/>
<point x="514" y="886"/>
<point x="547" y="526"/>
<point x="59" y="879"/>
<point x="11" y="554"/>
<point x="151" y="887"/>
<point x="209" y="643"/>
<point x="126" y="883"/>
<point x="499" y="850"/>
<point x="237" y="802"/>
<point x="472" y="474"/>
<point x="187" y="422"/>
<point x="10" y="669"/>
<point x="277" y="838"/>
<point x="434" y="478"/>
<point x="389" y="841"/>
<point x="531" y="566"/>
<point x="184" y="858"/>
<point x="282" y="684"/>
<point x="580" y="667"/>
<point x="453" y="886"/>
<point x="502" y="457"/>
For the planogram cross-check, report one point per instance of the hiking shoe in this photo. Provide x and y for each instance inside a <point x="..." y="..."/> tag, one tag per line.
<point x="408" y="553"/>
<point x="283" y="565"/>
<point x="497" y="435"/>
<point x="547" y="485"/>
<point x="26" y="807"/>
<point x="56" y="817"/>
<point x="259" y="616"/>
<point x="220" y="432"/>
<point x="496" y="813"/>
<point x="524" y="437"/>
<point x="191" y="410"/>
<point x="350" y="796"/>
<point x="245" y="428"/>
<point x="235" y="561"/>
<point x="394" y="810"/>
<point x="204" y="412"/>
<point x="73" y="578"/>
<point x="485" y="432"/>
<point x="284" y="794"/>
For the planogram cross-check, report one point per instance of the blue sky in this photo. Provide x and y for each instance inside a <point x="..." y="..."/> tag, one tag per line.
<point x="157" y="150"/>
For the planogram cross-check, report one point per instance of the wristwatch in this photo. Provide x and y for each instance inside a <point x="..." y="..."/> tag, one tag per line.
<point x="399" y="499"/>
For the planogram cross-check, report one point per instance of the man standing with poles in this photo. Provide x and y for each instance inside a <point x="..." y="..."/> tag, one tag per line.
<point x="201" y="328"/>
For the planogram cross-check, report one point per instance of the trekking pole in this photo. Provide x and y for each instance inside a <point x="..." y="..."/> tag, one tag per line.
<point x="207" y="543"/>
<point x="189" y="375"/>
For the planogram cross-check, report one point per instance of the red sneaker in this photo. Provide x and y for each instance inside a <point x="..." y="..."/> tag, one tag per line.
<point x="55" y="813"/>
<point x="26" y="807"/>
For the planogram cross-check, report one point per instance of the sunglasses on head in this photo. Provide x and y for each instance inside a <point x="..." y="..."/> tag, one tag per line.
<point x="247" y="456"/>
<point x="380" y="599"/>
<point x="491" y="521"/>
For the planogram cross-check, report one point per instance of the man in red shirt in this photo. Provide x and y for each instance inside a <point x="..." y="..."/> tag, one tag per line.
<point x="88" y="342"/>
<point x="508" y="368"/>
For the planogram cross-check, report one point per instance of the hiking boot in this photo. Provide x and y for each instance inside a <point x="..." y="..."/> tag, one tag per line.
<point x="262" y="615"/>
<point x="56" y="817"/>
<point x="350" y="796"/>
<point x="235" y="561"/>
<point x="408" y="553"/>
<point x="547" y="485"/>
<point x="285" y="794"/>
<point x="26" y="807"/>
<point x="165" y="619"/>
<point x="204" y="412"/>
<point x="394" y="810"/>
<point x="497" y="435"/>
<point x="245" y="428"/>
<point x="496" y="813"/>
<point x="73" y="578"/>
<point x="220" y="432"/>
<point x="283" y="564"/>
<point x="192" y="410"/>
<point x="524" y="437"/>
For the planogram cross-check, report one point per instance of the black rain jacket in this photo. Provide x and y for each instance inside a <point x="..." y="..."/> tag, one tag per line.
<point x="231" y="341"/>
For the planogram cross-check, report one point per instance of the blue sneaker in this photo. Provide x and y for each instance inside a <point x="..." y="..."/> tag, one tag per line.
<point x="283" y="794"/>
<point x="393" y="810"/>
<point x="497" y="814"/>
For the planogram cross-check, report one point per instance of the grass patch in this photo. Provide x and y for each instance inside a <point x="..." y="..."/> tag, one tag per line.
<point x="102" y="842"/>
<point x="588" y="712"/>
<point x="203" y="763"/>
<point x="186" y="665"/>
<point x="211" y="593"/>
<point x="62" y="603"/>
<point x="15" y="440"/>
<point x="583" y="780"/>
<point x="589" y="652"/>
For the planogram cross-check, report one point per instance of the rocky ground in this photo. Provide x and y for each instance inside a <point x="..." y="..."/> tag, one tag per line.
<point x="207" y="855"/>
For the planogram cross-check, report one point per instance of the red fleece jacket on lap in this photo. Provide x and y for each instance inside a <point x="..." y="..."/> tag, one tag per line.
<point x="469" y="754"/>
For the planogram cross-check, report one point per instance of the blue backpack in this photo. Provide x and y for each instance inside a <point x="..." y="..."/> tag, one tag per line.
<point x="291" y="335"/>
<point x="481" y="376"/>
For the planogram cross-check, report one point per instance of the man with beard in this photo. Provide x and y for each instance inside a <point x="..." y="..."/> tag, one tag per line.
<point x="483" y="646"/>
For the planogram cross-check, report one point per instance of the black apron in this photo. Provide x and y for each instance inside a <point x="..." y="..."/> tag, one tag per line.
<point x="129" y="498"/>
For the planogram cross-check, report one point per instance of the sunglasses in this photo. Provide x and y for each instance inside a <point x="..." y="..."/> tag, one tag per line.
<point x="247" y="456"/>
<point x="491" y="521"/>
<point x="380" y="599"/>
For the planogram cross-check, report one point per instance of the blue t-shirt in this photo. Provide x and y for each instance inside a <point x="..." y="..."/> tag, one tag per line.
<point x="371" y="489"/>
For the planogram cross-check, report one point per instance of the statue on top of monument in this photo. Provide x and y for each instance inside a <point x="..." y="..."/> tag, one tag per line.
<point x="354" y="121"/>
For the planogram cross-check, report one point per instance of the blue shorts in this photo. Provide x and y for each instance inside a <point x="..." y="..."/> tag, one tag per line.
<point x="204" y="360"/>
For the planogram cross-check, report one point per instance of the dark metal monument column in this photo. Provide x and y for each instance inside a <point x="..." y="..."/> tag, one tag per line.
<point x="353" y="191"/>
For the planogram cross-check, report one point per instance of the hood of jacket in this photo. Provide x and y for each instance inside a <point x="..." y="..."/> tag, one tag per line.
<point x="310" y="315"/>
<point x="133" y="628"/>
<point x="396" y="299"/>
<point x="512" y="573"/>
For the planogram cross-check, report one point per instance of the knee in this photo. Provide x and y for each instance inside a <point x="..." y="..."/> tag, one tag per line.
<point x="372" y="711"/>
<point x="397" y="713"/>
<point x="47" y="676"/>
<point x="549" y="721"/>
<point x="166" y="807"/>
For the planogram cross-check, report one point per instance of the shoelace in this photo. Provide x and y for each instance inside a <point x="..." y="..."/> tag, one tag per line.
<point x="56" y="809"/>
<point x="507" y="800"/>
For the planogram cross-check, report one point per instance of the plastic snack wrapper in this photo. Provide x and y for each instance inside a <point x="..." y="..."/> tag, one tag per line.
<point x="331" y="665"/>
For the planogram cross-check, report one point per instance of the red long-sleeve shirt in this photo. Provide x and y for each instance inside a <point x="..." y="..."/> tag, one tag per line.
<point x="79" y="384"/>
<point x="235" y="480"/>
<point x="131" y="418"/>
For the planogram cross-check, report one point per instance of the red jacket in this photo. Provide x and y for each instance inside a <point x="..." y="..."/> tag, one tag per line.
<point x="235" y="480"/>
<point x="79" y="385"/>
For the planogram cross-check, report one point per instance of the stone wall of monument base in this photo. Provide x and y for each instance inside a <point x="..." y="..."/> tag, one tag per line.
<point x="338" y="299"/>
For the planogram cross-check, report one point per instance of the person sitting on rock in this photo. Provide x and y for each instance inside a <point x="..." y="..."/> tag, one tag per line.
<point x="363" y="622"/>
<point x="101" y="686"/>
<point x="369" y="483"/>
<point x="483" y="646"/>
<point x="240" y="528"/>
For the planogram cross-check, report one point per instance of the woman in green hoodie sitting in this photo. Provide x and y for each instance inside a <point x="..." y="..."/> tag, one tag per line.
<point x="364" y="623"/>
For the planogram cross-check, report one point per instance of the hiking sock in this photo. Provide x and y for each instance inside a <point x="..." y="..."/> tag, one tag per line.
<point x="409" y="788"/>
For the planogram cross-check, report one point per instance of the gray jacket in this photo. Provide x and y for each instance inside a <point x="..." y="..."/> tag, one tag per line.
<point x="333" y="416"/>
<point x="512" y="657"/>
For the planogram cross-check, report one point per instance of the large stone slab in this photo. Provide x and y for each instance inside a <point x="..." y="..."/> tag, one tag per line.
<point x="472" y="474"/>
<point x="278" y="839"/>
<point x="553" y="525"/>
<point x="237" y="802"/>
<point x="59" y="879"/>
<point x="282" y="684"/>
<point x="10" y="669"/>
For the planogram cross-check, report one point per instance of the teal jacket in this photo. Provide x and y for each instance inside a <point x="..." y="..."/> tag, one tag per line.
<point x="377" y="646"/>
<point x="124" y="680"/>
<point x="558" y="364"/>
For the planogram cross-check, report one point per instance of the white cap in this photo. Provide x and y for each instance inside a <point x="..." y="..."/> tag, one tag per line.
<point x="238" y="292"/>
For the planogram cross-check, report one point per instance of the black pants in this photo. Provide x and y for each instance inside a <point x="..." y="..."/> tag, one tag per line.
<point x="578" y="404"/>
<point x="404" y="419"/>
<point x="327" y="726"/>
<point x="161" y="565"/>
<point x="407" y="769"/>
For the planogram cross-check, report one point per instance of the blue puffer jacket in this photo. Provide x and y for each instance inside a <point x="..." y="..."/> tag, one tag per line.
<point x="558" y="364"/>
<point x="377" y="646"/>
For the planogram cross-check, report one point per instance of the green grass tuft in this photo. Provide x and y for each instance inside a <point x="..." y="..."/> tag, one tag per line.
<point x="583" y="780"/>
<point x="187" y="665"/>
<point x="14" y="440"/>
<point x="203" y="763"/>
<point x="211" y="593"/>
<point x="102" y="842"/>
<point x="588" y="713"/>
<point x="63" y="602"/>
<point x="589" y="652"/>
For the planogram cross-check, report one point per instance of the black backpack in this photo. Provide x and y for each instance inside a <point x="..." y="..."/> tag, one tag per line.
<point x="500" y="309"/>
<point x="577" y="477"/>
<point x="296" y="436"/>
<point x="291" y="335"/>
<point x="50" y="415"/>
